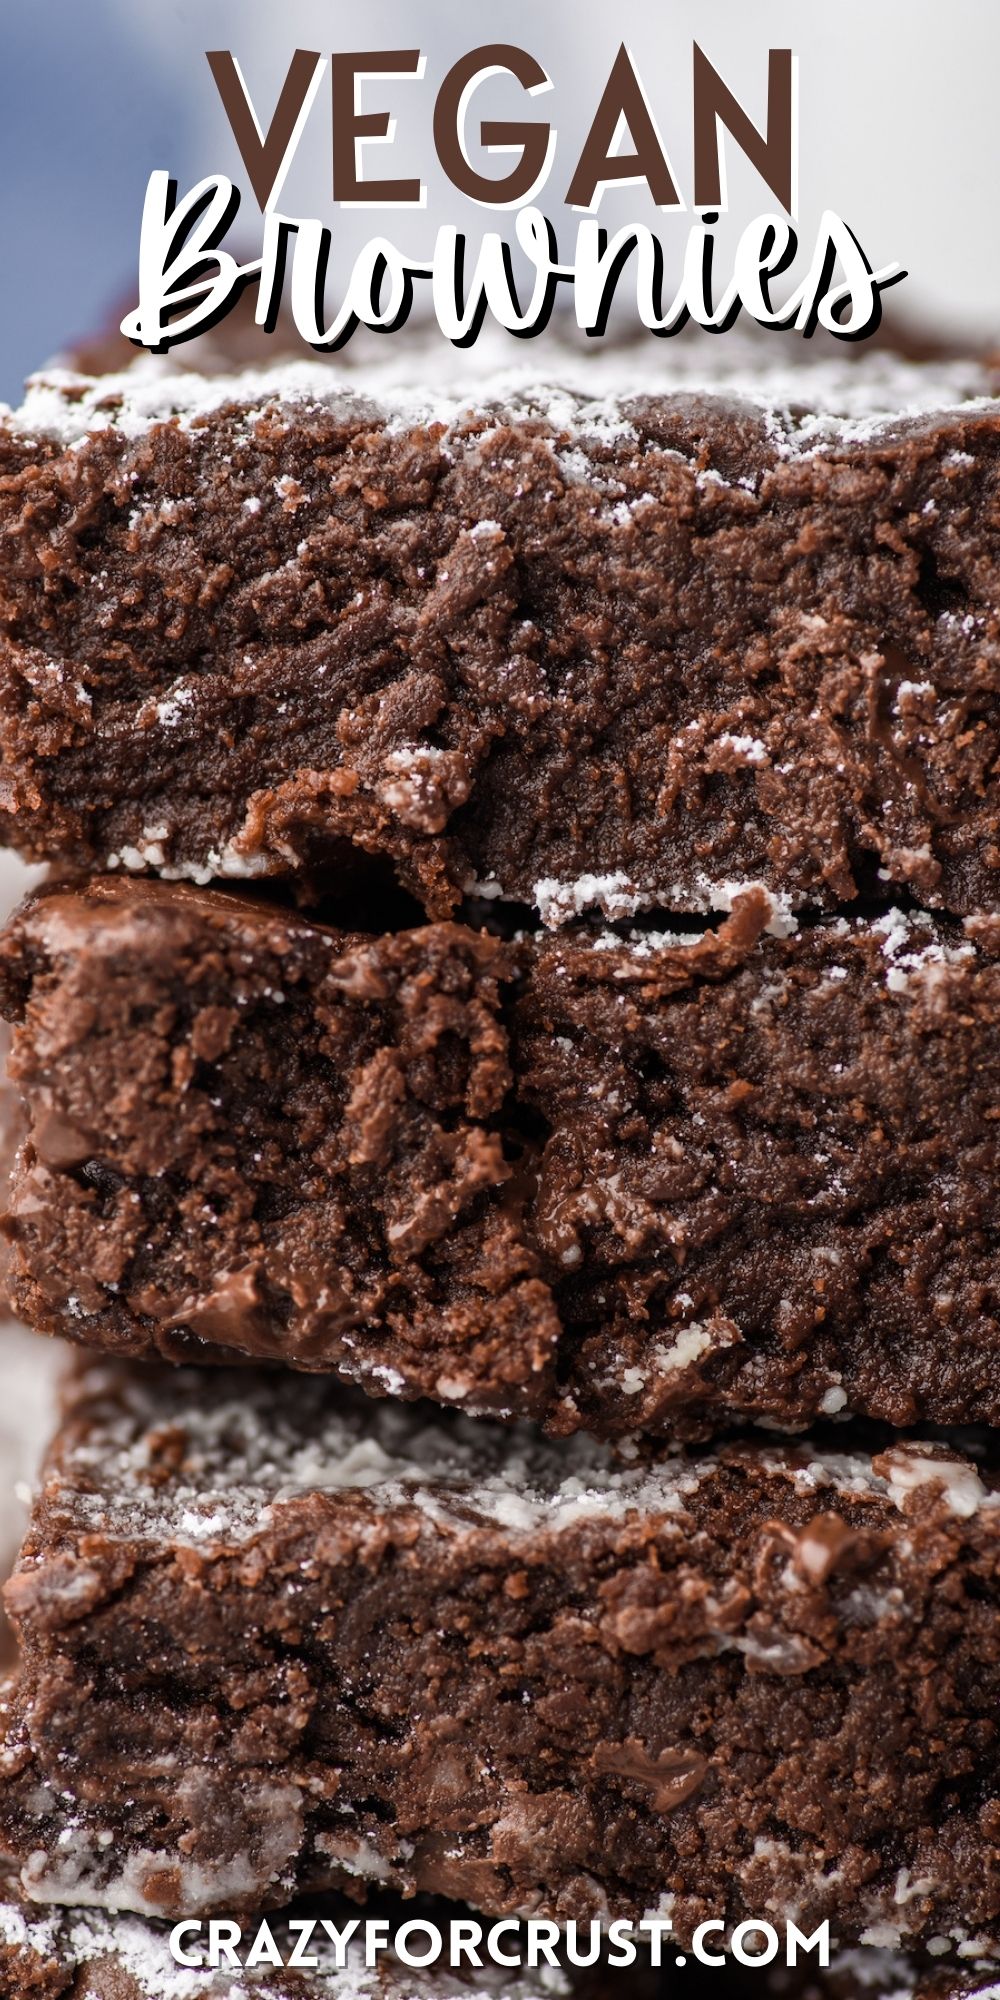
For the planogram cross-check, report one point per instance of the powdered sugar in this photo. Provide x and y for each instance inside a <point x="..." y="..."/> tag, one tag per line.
<point x="909" y="942"/>
<point x="618" y="895"/>
<point x="806" y="405"/>
<point x="896" y="1475"/>
<point x="228" y="862"/>
<point x="613" y="893"/>
<point x="261" y="1441"/>
<point x="749" y="748"/>
<point x="694" y="1340"/>
<point x="833" y="1400"/>
<point x="170" y="707"/>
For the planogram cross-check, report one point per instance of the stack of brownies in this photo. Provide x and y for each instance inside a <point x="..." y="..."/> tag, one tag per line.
<point x="564" y="1169"/>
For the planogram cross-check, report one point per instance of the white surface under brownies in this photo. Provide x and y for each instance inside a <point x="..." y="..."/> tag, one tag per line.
<point x="29" y="1366"/>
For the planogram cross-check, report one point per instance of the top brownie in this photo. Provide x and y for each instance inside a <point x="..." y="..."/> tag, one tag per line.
<point x="617" y="640"/>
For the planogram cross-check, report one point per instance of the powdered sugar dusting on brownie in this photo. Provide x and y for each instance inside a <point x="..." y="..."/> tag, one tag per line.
<point x="912" y="949"/>
<point x="805" y="405"/>
<point x="911" y="941"/>
<point x="617" y="895"/>
<point x="155" y="1457"/>
<point x="261" y="1441"/>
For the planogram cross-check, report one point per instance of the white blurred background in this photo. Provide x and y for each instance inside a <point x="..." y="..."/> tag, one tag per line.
<point x="899" y="131"/>
<point x="29" y="1364"/>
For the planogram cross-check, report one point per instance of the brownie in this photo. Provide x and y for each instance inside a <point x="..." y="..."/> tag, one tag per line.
<point x="86" y="1955"/>
<point x="315" y="1117"/>
<point x="276" y="1640"/>
<point x="871" y="1975"/>
<point x="644" y="1183"/>
<point x="627" y="637"/>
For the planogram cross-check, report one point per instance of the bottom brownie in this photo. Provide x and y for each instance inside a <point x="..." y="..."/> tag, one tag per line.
<point x="276" y="1640"/>
<point x="872" y="1975"/>
<point x="85" y="1955"/>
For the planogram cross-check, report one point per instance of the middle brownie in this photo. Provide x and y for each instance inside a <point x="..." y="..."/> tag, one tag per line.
<point x="656" y="1183"/>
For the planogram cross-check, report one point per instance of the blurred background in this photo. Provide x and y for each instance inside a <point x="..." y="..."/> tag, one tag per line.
<point x="899" y="131"/>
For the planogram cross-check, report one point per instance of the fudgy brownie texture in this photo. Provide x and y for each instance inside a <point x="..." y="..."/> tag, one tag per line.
<point x="276" y="1639"/>
<point x="308" y="1160"/>
<point x="652" y="1183"/>
<point x="629" y="642"/>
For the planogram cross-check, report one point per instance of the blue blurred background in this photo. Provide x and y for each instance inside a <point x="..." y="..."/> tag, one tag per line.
<point x="899" y="130"/>
<point x="86" y="112"/>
